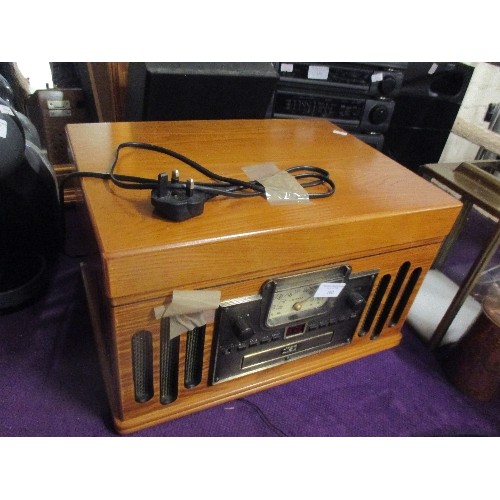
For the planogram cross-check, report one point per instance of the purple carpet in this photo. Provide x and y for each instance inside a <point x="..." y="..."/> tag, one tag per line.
<point x="52" y="386"/>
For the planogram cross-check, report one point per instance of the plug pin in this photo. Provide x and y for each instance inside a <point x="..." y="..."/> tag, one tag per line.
<point x="175" y="176"/>
<point x="190" y="187"/>
<point x="162" y="184"/>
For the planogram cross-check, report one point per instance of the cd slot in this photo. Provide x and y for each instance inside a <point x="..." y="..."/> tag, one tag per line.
<point x="285" y="352"/>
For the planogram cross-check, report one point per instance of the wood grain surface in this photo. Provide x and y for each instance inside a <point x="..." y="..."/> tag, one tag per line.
<point x="380" y="216"/>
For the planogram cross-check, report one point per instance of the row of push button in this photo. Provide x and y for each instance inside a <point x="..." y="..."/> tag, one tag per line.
<point x="251" y="343"/>
<point x="313" y="325"/>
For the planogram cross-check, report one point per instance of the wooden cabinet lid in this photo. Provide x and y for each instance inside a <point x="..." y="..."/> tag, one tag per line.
<point x="377" y="205"/>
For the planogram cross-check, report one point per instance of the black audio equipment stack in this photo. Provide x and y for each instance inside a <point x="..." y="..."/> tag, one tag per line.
<point x="359" y="97"/>
<point x="159" y="91"/>
<point x="425" y="110"/>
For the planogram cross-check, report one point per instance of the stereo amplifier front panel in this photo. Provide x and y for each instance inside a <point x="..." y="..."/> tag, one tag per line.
<point x="353" y="113"/>
<point x="290" y="318"/>
<point x="153" y="378"/>
<point x="347" y="78"/>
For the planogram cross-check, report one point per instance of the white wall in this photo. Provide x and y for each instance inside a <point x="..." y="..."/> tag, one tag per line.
<point x="484" y="89"/>
<point x="37" y="73"/>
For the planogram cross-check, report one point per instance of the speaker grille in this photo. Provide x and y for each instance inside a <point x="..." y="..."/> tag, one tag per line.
<point x="393" y="293"/>
<point x="405" y="296"/>
<point x="195" y="342"/>
<point x="142" y="365"/>
<point x="385" y="299"/>
<point x="375" y="304"/>
<point x="169" y="363"/>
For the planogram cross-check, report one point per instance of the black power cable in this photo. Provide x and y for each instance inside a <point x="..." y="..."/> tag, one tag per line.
<point x="264" y="418"/>
<point x="176" y="200"/>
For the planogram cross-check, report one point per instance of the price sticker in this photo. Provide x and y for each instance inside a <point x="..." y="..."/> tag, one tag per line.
<point x="318" y="72"/>
<point x="329" y="290"/>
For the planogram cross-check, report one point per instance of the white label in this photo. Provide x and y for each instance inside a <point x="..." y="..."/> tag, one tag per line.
<point x="318" y="72"/>
<point x="377" y="77"/>
<point x="432" y="69"/>
<point x="59" y="104"/>
<point x="286" y="67"/>
<point x="329" y="289"/>
<point x="55" y="113"/>
<point x="3" y="129"/>
<point x="6" y="110"/>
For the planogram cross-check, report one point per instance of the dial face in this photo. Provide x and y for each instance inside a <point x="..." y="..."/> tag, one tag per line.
<point x="290" y="298"/>
<point x="294" y="303"/>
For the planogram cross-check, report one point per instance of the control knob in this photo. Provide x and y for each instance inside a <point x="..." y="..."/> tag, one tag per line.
<point x="243" y="328"/>
<point x="379" y="114"/>
<point x="387" y="85"/>
<point x="355" y="300"/>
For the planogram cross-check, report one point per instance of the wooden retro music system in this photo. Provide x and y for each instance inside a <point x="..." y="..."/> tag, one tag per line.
<point x="247" y="294"/>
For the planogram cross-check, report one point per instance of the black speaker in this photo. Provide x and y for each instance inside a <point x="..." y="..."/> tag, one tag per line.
<point x="198" y="91"/>
<point x="425" y="111"/>
<point x="30" y="228"/>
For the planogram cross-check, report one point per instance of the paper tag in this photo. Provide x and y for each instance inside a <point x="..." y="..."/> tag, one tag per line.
<point x="6" y="110"/>
<point x="186" y="322"/>
<point x="189" y="309"/>
<point x="280" y="186"/>
<point x="318" y="72"/>
<point x="329" y="290"/>
<point x="260" y="170"/>
<point x="286" y="67"/>
<point x="377" y="77"/>
<point x="3" y="129"/>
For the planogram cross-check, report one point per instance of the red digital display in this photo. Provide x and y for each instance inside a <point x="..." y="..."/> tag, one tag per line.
<point x="295" y="330"/>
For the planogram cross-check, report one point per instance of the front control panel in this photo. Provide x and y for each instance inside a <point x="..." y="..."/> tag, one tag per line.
<point x="290" y="319"/>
